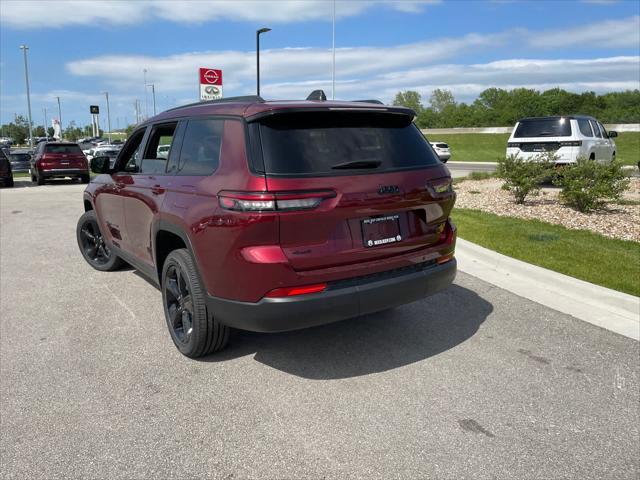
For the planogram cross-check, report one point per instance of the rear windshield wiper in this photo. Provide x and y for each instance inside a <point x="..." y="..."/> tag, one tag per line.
<point x="357" y="164"/>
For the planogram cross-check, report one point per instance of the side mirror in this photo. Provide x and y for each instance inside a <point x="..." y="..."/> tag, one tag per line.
<point x="613" y="134"/>
<point x="100" y="165"/>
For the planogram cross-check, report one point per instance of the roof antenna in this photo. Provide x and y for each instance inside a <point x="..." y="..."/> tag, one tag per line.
<point x="317" y="95"/>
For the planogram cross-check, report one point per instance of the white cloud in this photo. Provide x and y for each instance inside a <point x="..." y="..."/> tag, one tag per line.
<point x="46" y="14"/>
<point x="623" y="33"/>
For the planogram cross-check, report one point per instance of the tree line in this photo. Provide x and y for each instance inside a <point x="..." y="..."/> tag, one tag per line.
<point x="496" y="107"/>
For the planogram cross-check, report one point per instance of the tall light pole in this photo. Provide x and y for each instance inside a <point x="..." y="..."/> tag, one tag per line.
<point x="106" y="94"/>
<point x="333" y="41"/>
<point x="24" y="49"/>
<point x="258" y="32"/>
<point x="146" y="99"/>
<point x="60" y="118"/>
<point x="153" y="92"/>
<point x="46" y="133"/>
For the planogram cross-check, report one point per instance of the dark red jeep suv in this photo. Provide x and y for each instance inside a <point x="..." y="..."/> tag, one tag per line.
<point x="273" y="216"/>
<point x="58" y="160"/>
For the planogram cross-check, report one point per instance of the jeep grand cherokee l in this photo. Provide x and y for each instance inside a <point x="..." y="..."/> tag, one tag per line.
<point x="58" y="160"/>
<point x="273" y="216"/>
<point x="565" y="137"/>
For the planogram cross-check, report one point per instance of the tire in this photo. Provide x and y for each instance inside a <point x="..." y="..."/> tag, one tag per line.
<point x="93" y="246"/>
<point x="193" y="329"/>
<point x="39" y="179"/>
<point x="10" y="182"/>
<point x="85" y="179"/>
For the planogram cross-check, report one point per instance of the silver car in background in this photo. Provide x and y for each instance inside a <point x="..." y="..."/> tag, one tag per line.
<point x="442" y="150"/>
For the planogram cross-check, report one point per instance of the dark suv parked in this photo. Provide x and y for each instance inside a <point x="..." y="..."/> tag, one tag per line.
<point x="273" y="216"/>
<point x="58" y="160"/>
<point x="6" y="175"/>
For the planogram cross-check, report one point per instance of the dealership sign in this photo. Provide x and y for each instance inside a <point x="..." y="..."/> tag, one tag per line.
<point x="210" y="84"/>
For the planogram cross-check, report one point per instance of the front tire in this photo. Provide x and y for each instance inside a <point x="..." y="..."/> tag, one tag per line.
<point x="93" y="246"/>
<point x="193" y="329"/>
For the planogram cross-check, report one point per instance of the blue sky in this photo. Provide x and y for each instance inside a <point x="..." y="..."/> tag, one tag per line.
<point x="79" y="49"/>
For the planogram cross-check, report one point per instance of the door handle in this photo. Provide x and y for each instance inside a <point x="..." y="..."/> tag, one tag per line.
<point x="157" y="190"/>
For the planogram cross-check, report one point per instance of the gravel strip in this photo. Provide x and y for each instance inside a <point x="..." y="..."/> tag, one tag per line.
<point x="615" y="221"/>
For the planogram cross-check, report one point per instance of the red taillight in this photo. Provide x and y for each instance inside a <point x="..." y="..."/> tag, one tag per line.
<point x="445" y="258"/>
<point x="294" y="291"/>
<point x="264" y="254"/>
<point x="273" y="201"/>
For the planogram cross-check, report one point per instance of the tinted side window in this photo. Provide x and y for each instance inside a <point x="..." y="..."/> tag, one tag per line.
<point x="603" y="131"/>
<point x="200" y="153"/>
<point x="596" y="130"/>
<point x="158" y="147"/>
<point x="130" y="157"/>
<point x="585" y="127"/>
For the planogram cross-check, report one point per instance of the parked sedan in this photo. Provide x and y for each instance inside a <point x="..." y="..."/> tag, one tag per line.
<point x="20" y="161"/>
<point x="442" y="149"/>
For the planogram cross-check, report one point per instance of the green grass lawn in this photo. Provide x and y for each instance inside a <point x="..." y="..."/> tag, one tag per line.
<point x="578" y="253"/>
<point x="489" y="147"/>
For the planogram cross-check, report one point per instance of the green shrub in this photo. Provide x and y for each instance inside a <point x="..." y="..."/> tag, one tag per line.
<point x="524" y="177"/>
<point x="587" y="184"/>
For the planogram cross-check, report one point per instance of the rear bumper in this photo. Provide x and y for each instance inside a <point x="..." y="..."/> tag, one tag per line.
<point x="342" y="300"/>
<point x="63" y="172"/>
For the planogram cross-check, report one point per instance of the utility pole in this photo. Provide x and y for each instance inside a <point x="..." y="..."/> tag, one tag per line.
<point x="106" y="94"/>
<point x="146" y="100"/>
<point x="24" y="49"/>
<point x="46" y="130"/>
<point x="60" y="118"/>
<point x="333" y="37"/>
<point x="153" y="92"/>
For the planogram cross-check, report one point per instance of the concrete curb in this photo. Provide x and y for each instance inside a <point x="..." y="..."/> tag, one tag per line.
<point x="606" y="308"/>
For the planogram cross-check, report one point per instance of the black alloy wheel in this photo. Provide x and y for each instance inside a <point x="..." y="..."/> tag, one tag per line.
<point x="93" y="246"/>
<point x="178" y="304"/>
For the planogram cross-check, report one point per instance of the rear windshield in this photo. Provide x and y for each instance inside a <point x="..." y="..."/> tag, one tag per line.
<point x="442" y="145"/>
<point x="544" y="127"/>
<point x="342" y="143"/>
<point x="52" y="148"/>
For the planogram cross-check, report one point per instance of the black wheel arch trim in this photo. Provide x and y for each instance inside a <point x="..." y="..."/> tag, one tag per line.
<point x="167" y="226"/>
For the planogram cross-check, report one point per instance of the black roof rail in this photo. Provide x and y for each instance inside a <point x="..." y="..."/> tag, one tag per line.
<point x="317" y="95"/>
<point x="242" y="98"/>
<point x="369" y="101"/>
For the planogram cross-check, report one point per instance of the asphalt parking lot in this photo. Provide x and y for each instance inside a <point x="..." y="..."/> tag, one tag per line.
<point x="474" y="382"/>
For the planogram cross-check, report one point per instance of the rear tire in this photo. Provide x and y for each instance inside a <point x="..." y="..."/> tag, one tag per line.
<point x="93" y="246"/>
<point x="194" y="330"/>
<point x="39" y="179"/>
<point x="85" y="179"/>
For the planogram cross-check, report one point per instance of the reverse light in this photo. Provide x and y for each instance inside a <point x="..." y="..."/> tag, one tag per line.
<point x="295" y="291"/>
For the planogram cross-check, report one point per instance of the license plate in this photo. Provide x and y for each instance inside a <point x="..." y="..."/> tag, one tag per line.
<point x="378" y="231"/>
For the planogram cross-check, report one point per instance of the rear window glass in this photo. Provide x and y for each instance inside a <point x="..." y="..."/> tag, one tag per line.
<point x="544" y="127"/>
<point x="52" y="148"/>
<point x="340" y="143"/>
<point x="442" y="145"/>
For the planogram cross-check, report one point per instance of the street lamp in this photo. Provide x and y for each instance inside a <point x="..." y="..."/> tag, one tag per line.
<point x="258" y="32"/>
<point x="24" y="49"/>
<point x="153" y="92"/>
<point x="60" y="118"/>
<point x="46" y="132"/>
<point x="106" y="94"/>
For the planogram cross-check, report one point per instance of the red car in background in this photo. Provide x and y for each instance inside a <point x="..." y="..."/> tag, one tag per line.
<point x="58" y="160"/>
<point x="273" y="216"/>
